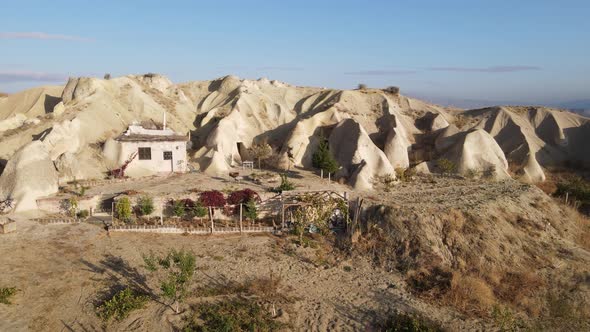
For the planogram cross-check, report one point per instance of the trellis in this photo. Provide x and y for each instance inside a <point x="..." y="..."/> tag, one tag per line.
<point x="302" y="198"/>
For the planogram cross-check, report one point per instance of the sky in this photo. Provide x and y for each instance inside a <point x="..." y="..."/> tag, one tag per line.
<point x="499" y="51"/>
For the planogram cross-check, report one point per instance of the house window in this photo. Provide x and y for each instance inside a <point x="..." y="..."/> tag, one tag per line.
<point x="167" y="155"/>
<point x="145" y="153"/>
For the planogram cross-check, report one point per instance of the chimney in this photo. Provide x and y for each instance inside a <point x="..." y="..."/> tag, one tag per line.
<point x="164" y="124"/>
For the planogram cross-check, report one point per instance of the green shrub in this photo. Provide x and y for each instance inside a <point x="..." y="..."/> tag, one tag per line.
<point x="472" y="173"/>
<point x="199" y="210"/>
<point x="6" y="294"/>
<point x="83" y="214"/>
<point x="405" y="174"/>
<point x="178" y="208"/>
<point x="241" y="314"/>
<point x="121" y="304"/>
<point x="578" y="190"/>
<point x="323" y="159"/>
<point x="285" y="185"/>
<point x="145" y="206"/>
<point x="250" y="210"/>
<point x="506" y="320"/>
<point x="123" y="209"/>
<point x="446" y="166"/>
<point x="402" y="322"/>
<point x="178" y="267"/>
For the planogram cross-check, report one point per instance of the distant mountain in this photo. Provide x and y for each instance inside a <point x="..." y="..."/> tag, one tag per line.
<point x="466" y="103"/>
<point x="581" y="106"/>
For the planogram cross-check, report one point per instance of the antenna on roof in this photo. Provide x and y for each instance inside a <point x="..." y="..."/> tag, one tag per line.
<point x="164" y="125"/>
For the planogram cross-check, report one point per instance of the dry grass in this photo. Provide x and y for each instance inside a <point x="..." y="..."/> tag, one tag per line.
<point x="521" y="290"/>
<point x="549" y="187"/>
<point x="470" y="294"/>
<point x="583" y="238"/>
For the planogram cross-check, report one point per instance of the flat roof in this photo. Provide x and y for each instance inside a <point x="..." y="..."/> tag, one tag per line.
<point x="151" y="138"/>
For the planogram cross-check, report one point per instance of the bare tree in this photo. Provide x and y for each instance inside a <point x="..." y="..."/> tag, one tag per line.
<point x="260" y="151"/>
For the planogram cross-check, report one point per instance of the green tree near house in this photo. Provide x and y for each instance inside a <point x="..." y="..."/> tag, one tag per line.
<point x="250" y="210"/>
<point x="323" y="159"/>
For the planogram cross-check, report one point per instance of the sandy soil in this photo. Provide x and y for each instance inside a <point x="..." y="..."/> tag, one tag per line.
<point x="61" y="269"/>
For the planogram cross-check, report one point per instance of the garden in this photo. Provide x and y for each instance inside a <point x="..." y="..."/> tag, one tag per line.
<point x="206" y="209"/>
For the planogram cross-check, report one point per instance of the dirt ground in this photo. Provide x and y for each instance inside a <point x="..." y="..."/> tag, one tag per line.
<point x="61" y="269"/>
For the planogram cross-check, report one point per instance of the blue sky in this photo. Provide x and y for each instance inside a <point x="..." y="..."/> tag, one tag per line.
<point x="525" y="51"/>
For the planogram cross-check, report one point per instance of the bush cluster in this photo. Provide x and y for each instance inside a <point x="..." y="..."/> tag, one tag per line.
<point x="242" y="196"/>
<point x="121" y="304"/>
<point x="241" y="314"/>
<point x="187" y="208"/>
<point x="285" y="185"/>
<point x="6" y="294"/>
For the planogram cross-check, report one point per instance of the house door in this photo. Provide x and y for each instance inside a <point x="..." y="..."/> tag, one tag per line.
<point x="168" y="156"/>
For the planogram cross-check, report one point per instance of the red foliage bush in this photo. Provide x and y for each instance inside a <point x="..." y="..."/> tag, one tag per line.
<point x="212" y="198"/>
<point x="242" y="196"/>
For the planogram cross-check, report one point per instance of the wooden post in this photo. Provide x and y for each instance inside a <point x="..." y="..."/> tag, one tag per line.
<point x="283" y="215"/>
<point x="322" y="173"/>
<point x="241" y="218"/>
<point x="211" y="217"/>
<point x="567" y="194"/>
<point x="329" y="178"/>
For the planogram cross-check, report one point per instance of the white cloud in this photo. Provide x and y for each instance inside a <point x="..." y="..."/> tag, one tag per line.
<point x="40" y="35"/>
<point x="26" y="76"/>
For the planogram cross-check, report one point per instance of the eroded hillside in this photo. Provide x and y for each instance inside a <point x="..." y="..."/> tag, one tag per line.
<point x="48" y="138"/>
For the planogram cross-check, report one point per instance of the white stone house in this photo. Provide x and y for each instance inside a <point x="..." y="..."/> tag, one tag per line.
<point x="158" y="152"/>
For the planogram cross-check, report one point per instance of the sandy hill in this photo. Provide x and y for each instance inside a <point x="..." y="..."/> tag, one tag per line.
<point x="53" y="134"/>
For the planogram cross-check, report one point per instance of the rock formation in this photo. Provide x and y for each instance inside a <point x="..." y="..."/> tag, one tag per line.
<point x="371" y="132"/>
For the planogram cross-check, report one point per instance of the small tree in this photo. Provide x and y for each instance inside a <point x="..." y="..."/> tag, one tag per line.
<point x="123" y="209"/>
<point x="322" y="158"/>
<point x="199" y="210"/>
<point x="178" y="208"/>
<point x="242" y="196"/>
<point x="177" y="270"/>
<point x="250" y="210"/>
<point x="145" y="205"/>
<point x="212" y="198"/>
<point x="107" y="76"/>
<point x="362" y="86"/>
<point x="260" y="151"/>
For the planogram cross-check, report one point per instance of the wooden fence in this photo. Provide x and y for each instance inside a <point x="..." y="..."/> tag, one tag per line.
<point x="190" y="230"/>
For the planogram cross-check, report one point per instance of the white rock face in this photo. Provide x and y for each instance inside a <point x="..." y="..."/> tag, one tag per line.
<point x="59" y="109"/>
<point x="357" y="154"/>
<point x="68" y="167"/>
<point x="64" y="138"/>
<point x="13" y="122"/>
<point x="477" y="150"/>
<point x="304" y="138"/>
<point x="29" y="174"/>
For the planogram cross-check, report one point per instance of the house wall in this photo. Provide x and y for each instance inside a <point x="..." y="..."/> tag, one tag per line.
<point x="157" y="164"/>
